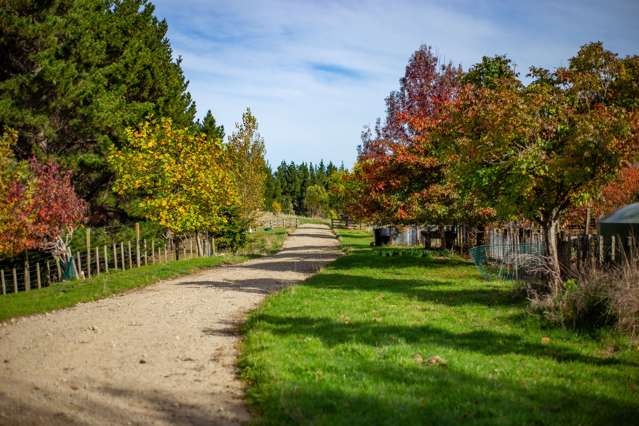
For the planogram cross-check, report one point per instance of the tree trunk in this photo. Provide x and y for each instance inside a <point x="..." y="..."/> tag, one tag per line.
<point x="200" y="248"/>
<point x="177" y="248"/>
<point x="552" y="251"/>
<point x="442" y="237"/>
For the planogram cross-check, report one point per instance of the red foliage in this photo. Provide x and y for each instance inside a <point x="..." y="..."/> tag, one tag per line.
<point x="15" y="232"/>
<point x="56" y="207"/>
<point x="397" y="176"/>
<point x="41" y="209"/>
<point x="623" y="190"/>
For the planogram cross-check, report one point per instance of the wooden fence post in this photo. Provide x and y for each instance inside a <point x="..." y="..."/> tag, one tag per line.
<point x="38" y="281"/>
<point x="97" y="260"/>
<point x="130" y="255"/>
<point x="78" y="264"/>
<point x="190" y="248"/>
<point x="106" y="260"/>
<point x="88" y="238"/>
<point x="166" y="253"/>
<point x="15" y="280"/>
<point x="613" y="249"/>
<point x="146" y="258"/>
<point x="152" y="250"/>
<point x="213" y="246"/>
<point x="58" y="268"/>
<point x="4" y="284"/>
<point x="27" y="277"/>
<point x="122" y="255"/>
<point x="48" y="273"/>
<point x="115" y="257"/>
<point x="137" y="244"/>
<point x="601" y="250"/>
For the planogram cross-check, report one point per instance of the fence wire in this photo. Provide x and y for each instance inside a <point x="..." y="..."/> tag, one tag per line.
<point x="508" y="261"/>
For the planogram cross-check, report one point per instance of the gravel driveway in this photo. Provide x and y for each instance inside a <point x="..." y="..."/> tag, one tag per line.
<point x="164" y="354"/>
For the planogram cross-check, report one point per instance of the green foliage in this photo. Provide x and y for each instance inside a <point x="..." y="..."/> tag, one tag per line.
<point x="76" y="73"/>
<point x="209" y="127"/>
<point x="491" y="72"/>
<point x="418" y="341"/>
<point x="536" y="151"/>
<point x="289" y="183"/>
<point x="177" y="178"/>
<point x="244" y="158"/>
<point x="233" y="234"/>
<point x="316" y="200"/>
<point x="115" y="233"/>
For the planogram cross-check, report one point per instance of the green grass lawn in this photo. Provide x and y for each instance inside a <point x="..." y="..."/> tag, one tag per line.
<point x="262" y="242"/>
<point x="69" y="293"/>
<point x="355" y="345"/>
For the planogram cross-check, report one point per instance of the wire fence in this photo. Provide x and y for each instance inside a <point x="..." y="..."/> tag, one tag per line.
<point x="107" y="253"/>
<point x="519" y="261"/>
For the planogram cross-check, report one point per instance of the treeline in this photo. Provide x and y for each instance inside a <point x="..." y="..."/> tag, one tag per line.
<point x="97" y="126"/>
<point x="480" y="145"/>
<point x="306" y="189"/>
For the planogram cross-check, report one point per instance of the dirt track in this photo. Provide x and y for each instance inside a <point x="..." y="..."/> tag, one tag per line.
<point x="161" y="355"/>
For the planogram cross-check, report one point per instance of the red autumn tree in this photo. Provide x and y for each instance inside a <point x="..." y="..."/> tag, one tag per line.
<point x="398" y="176"/>
<point x="39" y="208"/>
<point x="56" y="209"/>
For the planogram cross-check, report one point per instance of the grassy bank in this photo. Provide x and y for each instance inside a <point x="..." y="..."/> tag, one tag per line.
<point x="405" y="339"/>
<point x="69" y="293"/>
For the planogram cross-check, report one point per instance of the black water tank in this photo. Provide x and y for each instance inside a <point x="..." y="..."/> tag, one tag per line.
<point x="382" y="236"/>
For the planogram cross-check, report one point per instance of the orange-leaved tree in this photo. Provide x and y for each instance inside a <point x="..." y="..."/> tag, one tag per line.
<point x="399" y="176"/>
<point x="534" y="151"/>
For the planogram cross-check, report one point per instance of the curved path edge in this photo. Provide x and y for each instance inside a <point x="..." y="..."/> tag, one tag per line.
<point x="164" y="354"/>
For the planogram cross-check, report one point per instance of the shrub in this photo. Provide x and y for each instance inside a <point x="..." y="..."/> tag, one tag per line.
<point x="592" y="298"/>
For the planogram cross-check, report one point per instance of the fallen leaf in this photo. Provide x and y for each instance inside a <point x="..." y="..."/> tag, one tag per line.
<point x="437" y="360"/>
<point x="545" y="340"/>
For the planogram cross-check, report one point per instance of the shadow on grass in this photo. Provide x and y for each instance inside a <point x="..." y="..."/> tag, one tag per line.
<point x="372" y="259"/>
<point x="438" y="291"/>
<point x="421" y="395"/>
<point x="486" y="342"/>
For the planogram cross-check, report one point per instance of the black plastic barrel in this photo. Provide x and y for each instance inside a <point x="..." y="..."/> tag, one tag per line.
<point x="382" y="236"/>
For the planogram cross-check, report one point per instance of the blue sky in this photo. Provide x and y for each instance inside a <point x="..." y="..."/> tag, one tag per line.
<point x="315" y="72"/>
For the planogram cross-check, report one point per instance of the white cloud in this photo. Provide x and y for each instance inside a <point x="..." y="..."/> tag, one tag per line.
<point x="261" y="54"/>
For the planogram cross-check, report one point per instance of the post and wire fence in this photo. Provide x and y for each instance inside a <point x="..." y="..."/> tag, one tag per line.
<point x="508" y="256"/>
<point x="34" y="270"/>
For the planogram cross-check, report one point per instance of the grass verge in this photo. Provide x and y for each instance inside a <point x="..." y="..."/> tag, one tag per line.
<point x="412" y="340"/>
<point x="70" y="293"/>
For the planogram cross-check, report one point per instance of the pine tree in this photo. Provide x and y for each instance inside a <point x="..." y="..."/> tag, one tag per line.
<point x="209" y="127"/>
<point x="76" y="73"/>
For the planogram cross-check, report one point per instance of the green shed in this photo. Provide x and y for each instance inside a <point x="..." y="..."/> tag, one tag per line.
<point x="623" y="223"/>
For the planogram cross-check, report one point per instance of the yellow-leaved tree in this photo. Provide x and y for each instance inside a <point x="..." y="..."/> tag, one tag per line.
<point x="245" y="158"/>
<point x="175" y="177"/>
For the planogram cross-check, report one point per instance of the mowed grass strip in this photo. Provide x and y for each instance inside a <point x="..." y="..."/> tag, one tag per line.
<point x="408" y="340"/>
<point x="69" y="293"/>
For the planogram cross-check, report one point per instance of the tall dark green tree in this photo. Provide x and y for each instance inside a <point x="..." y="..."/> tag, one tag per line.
<point x="209" y="126"/>
<point x="289" y="183"/>
<point x="75" y="73"/>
